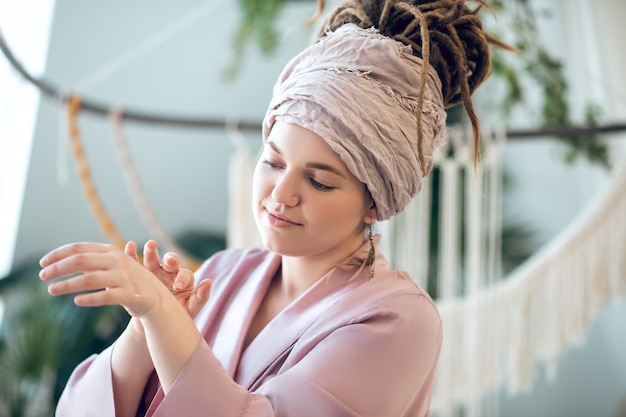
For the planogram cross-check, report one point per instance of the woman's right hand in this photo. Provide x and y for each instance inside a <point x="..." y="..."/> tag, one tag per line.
<point x="167" y="360"/>
<point x="180" y="281"/>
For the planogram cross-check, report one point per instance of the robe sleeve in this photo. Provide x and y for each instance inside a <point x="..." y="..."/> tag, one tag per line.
<point x="204" y="388"/>
<point x="381" y="363"/>
<point x="89" y="390"/>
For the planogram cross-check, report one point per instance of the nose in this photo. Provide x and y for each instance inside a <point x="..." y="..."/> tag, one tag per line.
<point x="286" y="189"/>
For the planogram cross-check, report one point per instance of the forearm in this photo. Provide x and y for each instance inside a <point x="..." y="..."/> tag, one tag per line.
<point x="131" y="367"/>
<point x="171" y="337"/>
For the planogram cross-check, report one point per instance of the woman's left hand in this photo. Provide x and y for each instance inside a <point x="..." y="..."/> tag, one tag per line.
<point x="102" y="274"/>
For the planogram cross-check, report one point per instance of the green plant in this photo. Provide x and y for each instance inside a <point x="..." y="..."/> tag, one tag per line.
<point x="547" y="73"/>
<point x="256" y="24"/>
<point x="42" y="339"/>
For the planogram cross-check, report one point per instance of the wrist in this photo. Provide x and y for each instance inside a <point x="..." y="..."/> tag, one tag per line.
<point x="133" y="343"/>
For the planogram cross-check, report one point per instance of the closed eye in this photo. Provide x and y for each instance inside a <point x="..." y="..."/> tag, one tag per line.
<point x="316" y="184"/>
<point x="320" y="186"/>
<point x="271" y="164"/>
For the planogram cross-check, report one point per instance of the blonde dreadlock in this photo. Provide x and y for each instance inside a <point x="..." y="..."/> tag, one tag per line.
<point x="447" y="34"/>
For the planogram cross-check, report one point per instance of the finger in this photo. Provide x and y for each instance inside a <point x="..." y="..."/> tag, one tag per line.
<point x="85" y="282"/>
<point x="184" y="280"/>
<point x="170" y="262"/>
<point x="73" y="249"/>
<point x="200" y="297"/>
<point x="114" y="296"/>
<point x="80" y="262"/>
<point x="131" y="250"/>
<point x="93" y="299"/>
<point x="151" y="258"/>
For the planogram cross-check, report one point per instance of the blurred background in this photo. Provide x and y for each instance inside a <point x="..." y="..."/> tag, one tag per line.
<point x="535" y="257"/>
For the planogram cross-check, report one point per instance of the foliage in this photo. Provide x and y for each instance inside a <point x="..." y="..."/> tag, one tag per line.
<point x="256" y="24"/>
<point x="547" y="72"/>
<point x="42" y="339"/>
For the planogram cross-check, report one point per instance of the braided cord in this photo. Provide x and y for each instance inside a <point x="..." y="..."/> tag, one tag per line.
<point x="89" y="187"/>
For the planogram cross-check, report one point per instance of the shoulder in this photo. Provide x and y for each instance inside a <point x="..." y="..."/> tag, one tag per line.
<point x="393" y="306"/>
<point x="391" y="299"/>
<point x="387" y="285"/>
<point x="394" y="292"/>
<point x="389" y="313"/>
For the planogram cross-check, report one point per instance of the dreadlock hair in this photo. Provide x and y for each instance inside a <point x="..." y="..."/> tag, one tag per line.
<point x="447" y="34"/>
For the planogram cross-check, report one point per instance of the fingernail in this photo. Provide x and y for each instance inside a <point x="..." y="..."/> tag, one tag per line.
<point x="42" y="274"/>
<point x="43" y="261"/>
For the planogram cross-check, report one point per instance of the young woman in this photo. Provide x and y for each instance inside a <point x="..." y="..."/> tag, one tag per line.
<point x="317" y="324"/>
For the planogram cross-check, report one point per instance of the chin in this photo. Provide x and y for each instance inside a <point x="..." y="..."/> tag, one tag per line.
<point x="272" y="246"/>
<point x="280" y="248"/>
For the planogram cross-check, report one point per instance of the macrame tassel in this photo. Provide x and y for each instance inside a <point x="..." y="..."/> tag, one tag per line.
<point x="371" y="255"/>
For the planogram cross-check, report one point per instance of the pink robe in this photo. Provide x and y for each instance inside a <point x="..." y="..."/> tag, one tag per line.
<point x="343" y="348"/>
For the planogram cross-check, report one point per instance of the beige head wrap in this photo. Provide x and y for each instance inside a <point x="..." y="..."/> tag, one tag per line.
<point x="359" y="90"/>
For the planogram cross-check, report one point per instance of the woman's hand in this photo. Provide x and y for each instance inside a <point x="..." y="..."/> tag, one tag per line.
<point x="179" y="281"/>
<point x="102" y="274"/>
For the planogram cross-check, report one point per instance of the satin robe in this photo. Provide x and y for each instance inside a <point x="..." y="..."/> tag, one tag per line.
<point x="345" y="347"/>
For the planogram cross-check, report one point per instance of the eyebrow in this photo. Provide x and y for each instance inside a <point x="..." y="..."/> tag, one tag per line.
<point x="314" y="165"/>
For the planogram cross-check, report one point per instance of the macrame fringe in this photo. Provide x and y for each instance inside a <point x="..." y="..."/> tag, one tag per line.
<point x="533" y="316"/>
<point x="97" y="206"/>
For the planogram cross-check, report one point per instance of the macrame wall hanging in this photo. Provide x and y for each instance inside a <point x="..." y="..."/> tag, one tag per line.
<point x="498" y="329"/>
<point x="139" y="197"/>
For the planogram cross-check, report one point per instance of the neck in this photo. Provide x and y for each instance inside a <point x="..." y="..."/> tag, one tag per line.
<point x="301" y="272"/>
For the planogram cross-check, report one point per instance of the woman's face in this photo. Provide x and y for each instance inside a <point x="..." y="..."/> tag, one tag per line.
<point x="305" y="201"/>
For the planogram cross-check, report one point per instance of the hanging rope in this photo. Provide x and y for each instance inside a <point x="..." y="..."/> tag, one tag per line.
<point x="104" y="220"/>
<point x="138" y="195"/>
<point x="50" y="90"/>
<point x="97" y="207"/>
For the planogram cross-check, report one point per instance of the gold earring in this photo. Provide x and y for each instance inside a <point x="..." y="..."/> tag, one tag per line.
<point x="369" y="261"/>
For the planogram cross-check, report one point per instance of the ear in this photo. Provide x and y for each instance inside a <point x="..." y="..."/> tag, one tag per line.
<point x="371" y="214"/>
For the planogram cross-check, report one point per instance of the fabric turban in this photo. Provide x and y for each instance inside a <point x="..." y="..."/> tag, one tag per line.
<point x="359" y="91"/>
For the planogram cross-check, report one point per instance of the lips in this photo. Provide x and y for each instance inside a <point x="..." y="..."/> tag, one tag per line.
<point x="280" y="220"/>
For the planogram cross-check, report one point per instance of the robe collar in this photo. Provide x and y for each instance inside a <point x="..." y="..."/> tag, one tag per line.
<point x="273" y="344"/>
<point x="277" y="338"/>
